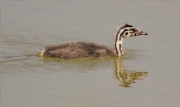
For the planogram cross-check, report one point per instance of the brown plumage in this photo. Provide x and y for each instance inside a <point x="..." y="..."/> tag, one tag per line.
<point x="82" y="50"/>
<point x="76" y="50"/>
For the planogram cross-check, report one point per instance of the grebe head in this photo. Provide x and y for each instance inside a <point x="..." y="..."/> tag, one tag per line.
<point x="123" y="31"/>
<point x="127" y="30"/>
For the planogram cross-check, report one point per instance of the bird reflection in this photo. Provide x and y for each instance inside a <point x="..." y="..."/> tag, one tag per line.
<point x="126" y="77"/>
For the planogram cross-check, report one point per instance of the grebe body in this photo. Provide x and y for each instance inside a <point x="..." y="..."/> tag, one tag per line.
<point x="83" y="50"/>
<point x="77" y="50"/>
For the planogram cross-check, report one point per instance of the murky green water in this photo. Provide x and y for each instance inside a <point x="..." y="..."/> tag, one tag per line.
<point x="147" y="75"/>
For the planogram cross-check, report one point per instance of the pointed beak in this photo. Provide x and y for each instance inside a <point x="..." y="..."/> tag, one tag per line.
<point x="139" y="32"/>
<point x="142" y="33"/>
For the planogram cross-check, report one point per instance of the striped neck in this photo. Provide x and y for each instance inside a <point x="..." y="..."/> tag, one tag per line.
<point x="118" y="43"/>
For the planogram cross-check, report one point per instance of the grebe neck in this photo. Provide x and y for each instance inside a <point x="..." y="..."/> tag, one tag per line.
<point x="118" y="43"/>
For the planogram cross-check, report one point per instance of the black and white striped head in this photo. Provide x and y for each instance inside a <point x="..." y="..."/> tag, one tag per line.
<point x="125" y="30"/>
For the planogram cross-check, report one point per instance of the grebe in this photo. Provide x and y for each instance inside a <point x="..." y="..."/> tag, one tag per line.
<point x="82" y="49"/>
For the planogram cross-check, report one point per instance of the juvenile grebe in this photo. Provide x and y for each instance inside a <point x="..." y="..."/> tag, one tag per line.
<point x="82" y="49"/>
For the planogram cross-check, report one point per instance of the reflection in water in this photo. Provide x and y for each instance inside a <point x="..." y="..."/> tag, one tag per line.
<point x="125" y="77"/>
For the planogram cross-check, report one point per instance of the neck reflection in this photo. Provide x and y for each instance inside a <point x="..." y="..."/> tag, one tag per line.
<point x="124" y="76"/>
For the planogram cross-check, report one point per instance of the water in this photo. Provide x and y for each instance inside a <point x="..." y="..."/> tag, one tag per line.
<point x="147" y="75"/>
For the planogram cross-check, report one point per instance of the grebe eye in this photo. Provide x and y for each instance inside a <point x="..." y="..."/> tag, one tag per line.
<point x="126" y="33"/>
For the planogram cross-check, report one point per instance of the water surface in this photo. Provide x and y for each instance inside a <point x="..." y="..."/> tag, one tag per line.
<point x="147" y="75"/>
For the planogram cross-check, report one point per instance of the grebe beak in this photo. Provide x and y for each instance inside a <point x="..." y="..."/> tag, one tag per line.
<point x="139" y="32"/>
